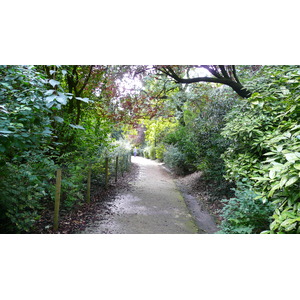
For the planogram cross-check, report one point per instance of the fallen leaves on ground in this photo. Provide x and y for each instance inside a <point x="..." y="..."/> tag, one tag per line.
<point x="83" y="214"/>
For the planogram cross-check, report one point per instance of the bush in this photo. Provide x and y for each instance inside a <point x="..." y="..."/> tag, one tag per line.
<point x="265" y="135"/>
<point x="146" y="151"/>
<point x="245" y="213"/>
<point x="152" y="152"/>
<point x="73" y="186"/>
<point x="181" y="153"/>
<point x="175" y="160"/>
<point x="160" y="150"/>
<point x="149" y="152"/>
<point x="26" y="160"/>
<point x="25" y="189"/>
<point x="207" y="134"/>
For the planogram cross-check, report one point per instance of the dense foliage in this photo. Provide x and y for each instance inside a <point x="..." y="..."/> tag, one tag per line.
<point x="25" y="131"/>
<point x="265" y="134"/>
<point x="256" y="140"/>
<point x="194" y="142"/>
<point x="76" y="116"/>
<point x="50" y="118"/>
<point x="245" y="213"/>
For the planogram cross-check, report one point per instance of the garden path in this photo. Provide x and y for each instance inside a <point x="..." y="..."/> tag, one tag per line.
<point x="153" y="205"/>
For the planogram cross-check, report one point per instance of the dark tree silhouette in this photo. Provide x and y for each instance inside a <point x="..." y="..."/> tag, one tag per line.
<point x="224" y="74"/>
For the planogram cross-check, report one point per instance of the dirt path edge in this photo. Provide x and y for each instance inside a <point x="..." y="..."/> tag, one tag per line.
<point x="205" y="222"/>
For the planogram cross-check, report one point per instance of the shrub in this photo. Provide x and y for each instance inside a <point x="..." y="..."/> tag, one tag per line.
<point x="206" y="132"/>
<point x="25" y="189"/>
<point x="152" y="152"/>
<point x="245" y="213"/>
<point x="149" y="152"/>
<point x="175" y="160"/>
<point x="73" y="186"/>
<point x="181" y="153"/>
<point x="27" y="167"/>
<point x="265" y="135"/>
<point x="146" y="152"/>
<point x="160" y="152"/>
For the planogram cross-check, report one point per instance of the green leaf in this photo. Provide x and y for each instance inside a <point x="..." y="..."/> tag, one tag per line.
<point x="51" y="98"/>
<point x="5" y="132"/>
<point x="58" y="119"/>
<point x="6" y="85"/>
<point x="61" y="98"/>
<point x="297" y="166"/>
<point x="283" y="181"/>
<point x="77" y="126"/>
<point x="272" y="174"/>
<point x="69" y="95"/>
<point x="284" y="90"/>
<point x="50" y="104"/>
<point x="86" y="100"/>
<point x="292" y="156"/>
<point x="291" y="181"/>
<point x="49" y="92"/>
<point x="269" y="153"/>
<point x="289" y="224"/>
<point x="277" y="166"/>
<point x="295" y="127"/>
<point x="260" y="178"/>
<point x="54" y="82"/>
<point x="3" y="109"/>
<point x="47" y="131"/>
<point x="274" y="188"/>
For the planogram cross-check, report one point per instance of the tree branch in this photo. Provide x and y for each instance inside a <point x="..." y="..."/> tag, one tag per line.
<point x="234" y="83"/>
<point x="213" y="70"/>
<point x="234" y="74"/>
<point x="224" y="72"/>
<point x="86" y="80"/>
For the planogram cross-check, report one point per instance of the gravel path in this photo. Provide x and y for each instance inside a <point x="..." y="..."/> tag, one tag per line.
<point x="154" y="204"/>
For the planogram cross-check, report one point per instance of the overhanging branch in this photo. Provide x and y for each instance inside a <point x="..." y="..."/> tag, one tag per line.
<point x="228" y="77"/>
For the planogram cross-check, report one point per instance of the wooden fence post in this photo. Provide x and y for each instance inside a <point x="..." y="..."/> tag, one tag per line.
<point x="57" y="199"/>
<point x="116" y="174"/>
<point x="106" y="172"/>
<point x="88" y="193"/>
<point x="126" y="161"/>
<point x="122" y="165"/>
